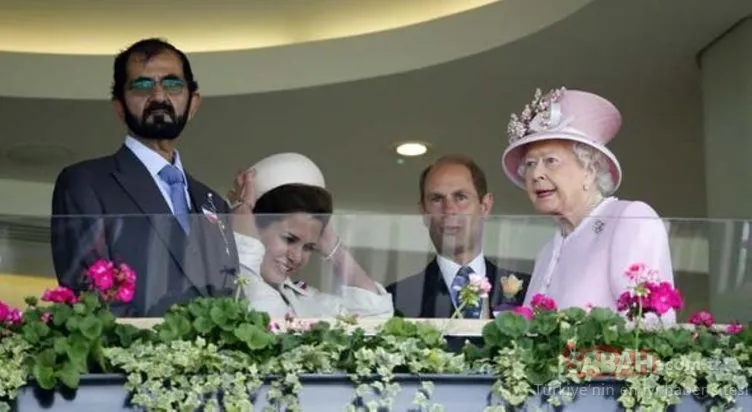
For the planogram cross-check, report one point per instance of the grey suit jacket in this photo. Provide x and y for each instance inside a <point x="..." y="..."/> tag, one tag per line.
<point x="110" y="208"/>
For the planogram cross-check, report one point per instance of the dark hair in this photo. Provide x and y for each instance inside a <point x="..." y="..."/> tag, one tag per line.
<point x="291" y="198"/>
<point x="476" y="173"/>
<point x="147" y="48"/>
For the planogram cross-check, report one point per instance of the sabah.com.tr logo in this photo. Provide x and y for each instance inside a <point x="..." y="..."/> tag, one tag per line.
<point x="607" y="361"/>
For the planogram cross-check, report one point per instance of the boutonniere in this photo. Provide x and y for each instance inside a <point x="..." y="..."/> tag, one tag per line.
<point x="510" y="286"/>
<point x="471" y="294"/>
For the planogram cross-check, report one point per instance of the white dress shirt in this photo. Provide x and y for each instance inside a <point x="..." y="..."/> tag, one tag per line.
<point x="154" y="163"/>
<point x="303" y="302"/>
<point x="449" y="268"/>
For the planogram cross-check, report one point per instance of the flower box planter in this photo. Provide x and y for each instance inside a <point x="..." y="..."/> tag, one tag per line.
<point x="333" y="392"/>
<point x="218" y="346"/>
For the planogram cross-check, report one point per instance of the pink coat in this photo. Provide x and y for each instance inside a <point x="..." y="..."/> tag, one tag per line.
<point x="587" y="267"/>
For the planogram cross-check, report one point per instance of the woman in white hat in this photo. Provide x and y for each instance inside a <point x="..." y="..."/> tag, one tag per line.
<point x="281" y="214"/>
<point x="557" y="153"/>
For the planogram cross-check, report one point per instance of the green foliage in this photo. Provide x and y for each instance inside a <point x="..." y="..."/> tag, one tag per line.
<point x="211" y="353"/>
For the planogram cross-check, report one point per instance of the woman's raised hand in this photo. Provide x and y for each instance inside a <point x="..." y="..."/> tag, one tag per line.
<point x="243" y="194"/>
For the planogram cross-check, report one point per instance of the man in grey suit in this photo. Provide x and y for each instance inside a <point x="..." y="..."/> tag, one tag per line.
<point x="139" y="206"/>
<point x="455" y="202"/>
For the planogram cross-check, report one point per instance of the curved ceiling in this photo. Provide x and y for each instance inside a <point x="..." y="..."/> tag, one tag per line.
<point x="257" y="46"/>
<point x="84" y="27"/>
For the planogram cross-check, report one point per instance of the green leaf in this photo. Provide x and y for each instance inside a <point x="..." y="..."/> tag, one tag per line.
<point x="174" y="327"/>
<point x="31" y="300"/>
<point x="90" y="301"/>
<point x="44" y="375"/>
<point x="253" y="336"/>
<point x="128" y="334"/>
<point x="512" y="324"/>
<point x="203" y="325"/>
<point x="610" y="334"/>
<point x="589" y="330"/>
<point x="29" y="334"/>
<point x="69" y="375"/>
<point x="429" y="335"/>
<point x="72" y="324"/>
<point x="106" y="318"/>
<point x="91" y="327"/>
<point x="41" y="329"/>
<point x="61" y="314"/>
<point x="60" y="345"/>
<point x="492" y="335"/>
<point x="544" y="323"/>
<point x="574" y="314"/>
<point x="46" y="357"/>
<point x="219" y="316"/>
<point x="258" y="318"/>
<point x="399" y="327"/>
<point x="289" y="342"/>
<point x="78" y="348"/>
<point x="79" y="308"/>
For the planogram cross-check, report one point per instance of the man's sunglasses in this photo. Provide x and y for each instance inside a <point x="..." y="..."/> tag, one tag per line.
<point x="146" y="85"/>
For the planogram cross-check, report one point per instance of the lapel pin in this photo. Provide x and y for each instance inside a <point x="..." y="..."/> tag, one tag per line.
<point x="598" y="226"/>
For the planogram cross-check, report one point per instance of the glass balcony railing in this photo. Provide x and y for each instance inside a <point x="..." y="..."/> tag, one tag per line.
<point x="710" y="258"/>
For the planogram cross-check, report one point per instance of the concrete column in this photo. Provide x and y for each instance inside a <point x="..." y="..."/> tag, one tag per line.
<point x="726" y="67"/>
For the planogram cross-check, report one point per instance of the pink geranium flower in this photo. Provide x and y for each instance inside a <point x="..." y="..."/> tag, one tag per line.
<point x="125" y="293"/>
<point x="734" y="328"/>
<point x="114" y="283"/>
<point x="647" y="294"/>
<point x="543" y="302"/>
<point x="9" y="315"/>
<point x="525" y="311"/>
<point x="702" y="318"/>
<point x="102" y="274"/>
<point x="46" y="317"/>
<point x="60" y="294"/>
<point x="663" y="297"/>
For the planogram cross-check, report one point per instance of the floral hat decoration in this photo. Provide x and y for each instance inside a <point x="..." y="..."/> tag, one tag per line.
<point x="572" y="115"/>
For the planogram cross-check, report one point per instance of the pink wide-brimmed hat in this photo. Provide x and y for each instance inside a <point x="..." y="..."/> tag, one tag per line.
<point x="572" y="115"/>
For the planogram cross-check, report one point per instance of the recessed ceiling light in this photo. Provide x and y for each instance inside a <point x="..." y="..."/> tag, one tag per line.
<point x="412" y="149"/>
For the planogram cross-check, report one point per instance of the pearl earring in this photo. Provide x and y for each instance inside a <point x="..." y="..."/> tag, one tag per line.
<point x="585" y="187"/>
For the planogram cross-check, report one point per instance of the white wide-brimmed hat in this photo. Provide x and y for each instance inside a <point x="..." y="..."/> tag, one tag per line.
<point x="286" y="168"/>
<point x="572" y="115"/>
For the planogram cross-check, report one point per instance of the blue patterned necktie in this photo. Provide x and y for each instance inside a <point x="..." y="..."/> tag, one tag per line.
<point x="460" y="280"/>
<point x="174" y="178"/>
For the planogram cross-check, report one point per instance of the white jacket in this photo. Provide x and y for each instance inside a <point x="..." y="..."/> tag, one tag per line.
<point x="300" y="300"/>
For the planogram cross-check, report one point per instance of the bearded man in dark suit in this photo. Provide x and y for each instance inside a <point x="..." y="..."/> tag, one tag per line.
<point x="139" y="206"/>
<point x="455" y="202"/>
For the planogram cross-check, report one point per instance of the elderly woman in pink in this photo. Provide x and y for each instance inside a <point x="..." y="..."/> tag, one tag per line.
<point x="557" y="153"/>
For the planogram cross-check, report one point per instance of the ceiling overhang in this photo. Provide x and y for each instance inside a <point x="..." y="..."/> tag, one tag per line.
<point x="355" y="42"/>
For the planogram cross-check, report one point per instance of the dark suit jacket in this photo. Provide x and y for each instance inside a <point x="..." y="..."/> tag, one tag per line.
<point x="111" y="208"/>
<point x="426" y="295"/>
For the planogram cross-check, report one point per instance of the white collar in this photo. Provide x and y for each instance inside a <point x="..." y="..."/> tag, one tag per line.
<point x="449" y="268"/>
<point x="152" y="160"/>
